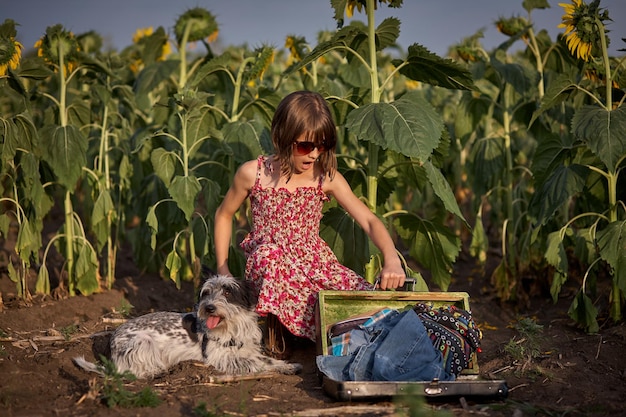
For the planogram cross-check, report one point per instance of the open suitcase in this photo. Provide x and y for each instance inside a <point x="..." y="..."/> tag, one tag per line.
<point x="336" y="306"/>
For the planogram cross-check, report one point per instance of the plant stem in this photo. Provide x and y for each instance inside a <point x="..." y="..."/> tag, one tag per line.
<point x="508" y="177"/>
<point x="616" y="298"/>
<point x="372" y="164"/>
<point x="68" y="209"/>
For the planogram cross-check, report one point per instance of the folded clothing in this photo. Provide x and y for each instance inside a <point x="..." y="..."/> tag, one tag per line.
<point x="453" y="332"/>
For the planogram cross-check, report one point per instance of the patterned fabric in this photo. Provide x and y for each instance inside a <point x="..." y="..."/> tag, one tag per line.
<point x="340" y="344"/>
<point x="287" y="260"/>
<point x="453" y="332"/>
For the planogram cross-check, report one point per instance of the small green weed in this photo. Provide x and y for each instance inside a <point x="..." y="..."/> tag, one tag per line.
<point x="414" y="405"/>
<point x="3" y="334"/>
<point x="201" y="411"/>
<point x="124" y="308"/>
<point x="115" y="394"/>
<point x="526" y="349"/>
<point x="68" y="331"/>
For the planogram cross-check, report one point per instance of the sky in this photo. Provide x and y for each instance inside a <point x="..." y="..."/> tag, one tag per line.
<point x="435" y="24"/>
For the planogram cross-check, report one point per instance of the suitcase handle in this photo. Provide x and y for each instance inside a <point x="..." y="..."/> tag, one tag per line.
<point x="409" y="284"/>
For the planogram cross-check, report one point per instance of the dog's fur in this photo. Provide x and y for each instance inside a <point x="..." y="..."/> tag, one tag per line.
<point x="223" y="333"/>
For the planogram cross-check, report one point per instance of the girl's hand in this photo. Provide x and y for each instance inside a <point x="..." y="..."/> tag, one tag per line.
<point x="391" y="277"/>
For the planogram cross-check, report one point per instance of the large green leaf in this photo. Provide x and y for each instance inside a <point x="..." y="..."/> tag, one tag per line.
<point x="103" y="217"/>
<point x="603" y="131"/>
<point x="184" y="191"/>
<point x="387" y="33"/>
<point x="487" y="163"/>
<point x="521" y="78"/>
<point x="154" y="74"/>
<point x="551" y="153"/>
<point x="28" y="241"/>
<point x="164" y="164"/>
<point x="244" y="139"/>
<point x="64" y="150"/>
<point x="346" y="238"/>
<point x="480" y="242"/>
<point x="424" y="66"/>
<point x="215" y="65"/>
<point x="409" y="125"/>
<point x="556" y="256"/>
<point x="583" y="312"/>
<point x="441" y="187"/>
<point x="612" y="248"/>
<point x="559" y="90"/>
<point x="563" y="183"/>
<point x="431" y="245"/>
<point x="86" y="270"/>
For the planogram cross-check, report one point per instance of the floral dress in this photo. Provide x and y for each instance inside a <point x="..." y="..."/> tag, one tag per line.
<point x="287" y="260"/>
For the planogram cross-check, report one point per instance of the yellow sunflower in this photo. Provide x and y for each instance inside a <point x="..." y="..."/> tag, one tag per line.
<point x="144" y="33"/>
<point x="580" y="22"/>
<point x="10" y="49"/>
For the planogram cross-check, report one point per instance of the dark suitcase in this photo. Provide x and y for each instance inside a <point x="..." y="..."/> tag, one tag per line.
<point x="338" y="311"/>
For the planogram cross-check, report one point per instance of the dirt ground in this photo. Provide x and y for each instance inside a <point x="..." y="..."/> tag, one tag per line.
<point x="575" y="375"/>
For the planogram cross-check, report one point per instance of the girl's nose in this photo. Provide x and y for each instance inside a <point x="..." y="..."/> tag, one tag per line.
<point x="314" y="153"/>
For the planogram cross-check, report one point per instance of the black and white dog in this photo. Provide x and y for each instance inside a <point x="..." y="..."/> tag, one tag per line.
<point x="223" y="332"/>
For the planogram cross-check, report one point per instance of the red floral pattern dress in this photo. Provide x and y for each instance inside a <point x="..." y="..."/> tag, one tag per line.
<point x="287" y="260"/>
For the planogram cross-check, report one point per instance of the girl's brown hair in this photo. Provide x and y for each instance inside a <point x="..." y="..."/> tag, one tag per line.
<point x="304" y="112"/>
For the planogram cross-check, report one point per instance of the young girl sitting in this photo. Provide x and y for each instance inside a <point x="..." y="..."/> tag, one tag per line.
<point x="286" y="259"/>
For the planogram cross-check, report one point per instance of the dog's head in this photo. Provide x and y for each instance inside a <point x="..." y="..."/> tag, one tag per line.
<point x="223" y="298"/>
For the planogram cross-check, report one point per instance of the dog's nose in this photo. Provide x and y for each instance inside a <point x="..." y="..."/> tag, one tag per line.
<point x="210" y="309"/>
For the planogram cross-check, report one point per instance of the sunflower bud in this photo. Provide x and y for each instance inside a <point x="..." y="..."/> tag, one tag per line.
<point x="467" y="53"/>
<point x="511" y="26"/>
<point x="264" y="57"/>
<point x="200" y="23"/>
<point x="56" y="45"/>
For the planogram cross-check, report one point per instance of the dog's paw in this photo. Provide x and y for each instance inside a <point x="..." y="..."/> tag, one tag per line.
<point x="294" y="368"/>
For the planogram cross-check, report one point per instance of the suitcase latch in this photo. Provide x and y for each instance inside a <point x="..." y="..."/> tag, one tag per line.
<point x="433" y="388"/>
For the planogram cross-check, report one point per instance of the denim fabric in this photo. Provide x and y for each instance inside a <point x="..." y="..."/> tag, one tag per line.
<point x="396" y="348"/>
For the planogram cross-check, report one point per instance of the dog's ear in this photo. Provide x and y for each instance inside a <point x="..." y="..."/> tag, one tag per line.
<point x="249" y="292"/>
<point x="190" y="325"/>
<point x="206" y="273"/>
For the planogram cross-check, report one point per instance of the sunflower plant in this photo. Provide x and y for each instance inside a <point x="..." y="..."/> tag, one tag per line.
<point x="210" y="105"/>
<point x="22" y="194"/>
<point x="64" y="151"/>
<point x="392" y="150"/>
<point x="584" y="165"/>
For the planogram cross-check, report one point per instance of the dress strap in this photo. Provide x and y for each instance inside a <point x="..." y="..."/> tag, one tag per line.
<point x="321" y="181"/>
<point x="258" y="170"/>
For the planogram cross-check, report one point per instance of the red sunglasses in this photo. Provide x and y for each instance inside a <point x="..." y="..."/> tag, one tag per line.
<point x="305" y="148"/>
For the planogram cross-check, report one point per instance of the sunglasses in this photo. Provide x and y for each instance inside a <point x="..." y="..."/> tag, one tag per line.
<point x="305" y="148"/>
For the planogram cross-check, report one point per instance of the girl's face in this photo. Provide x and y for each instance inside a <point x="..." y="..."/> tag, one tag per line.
<point x="305" y="153"/>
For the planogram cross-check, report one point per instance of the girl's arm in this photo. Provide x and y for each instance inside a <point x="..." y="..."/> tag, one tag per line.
<point x="392" y="274"/>
<point x="234" y="198"/>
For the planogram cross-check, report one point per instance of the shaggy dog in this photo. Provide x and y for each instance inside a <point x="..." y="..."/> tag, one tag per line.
<point x="223" y="333"/>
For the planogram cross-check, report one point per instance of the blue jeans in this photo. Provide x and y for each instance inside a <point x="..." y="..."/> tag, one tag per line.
<point x="397" y="348"/>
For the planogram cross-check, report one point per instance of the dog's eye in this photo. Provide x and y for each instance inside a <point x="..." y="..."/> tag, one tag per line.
<point x="226" y="292"/>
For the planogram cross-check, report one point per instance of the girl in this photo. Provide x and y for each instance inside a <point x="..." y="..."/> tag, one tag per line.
<point x="286" y="259"/>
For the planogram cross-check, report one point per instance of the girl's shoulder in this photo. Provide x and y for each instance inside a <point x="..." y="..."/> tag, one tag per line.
<point x="247" y="173"/>
<point x="335" y="184"/>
